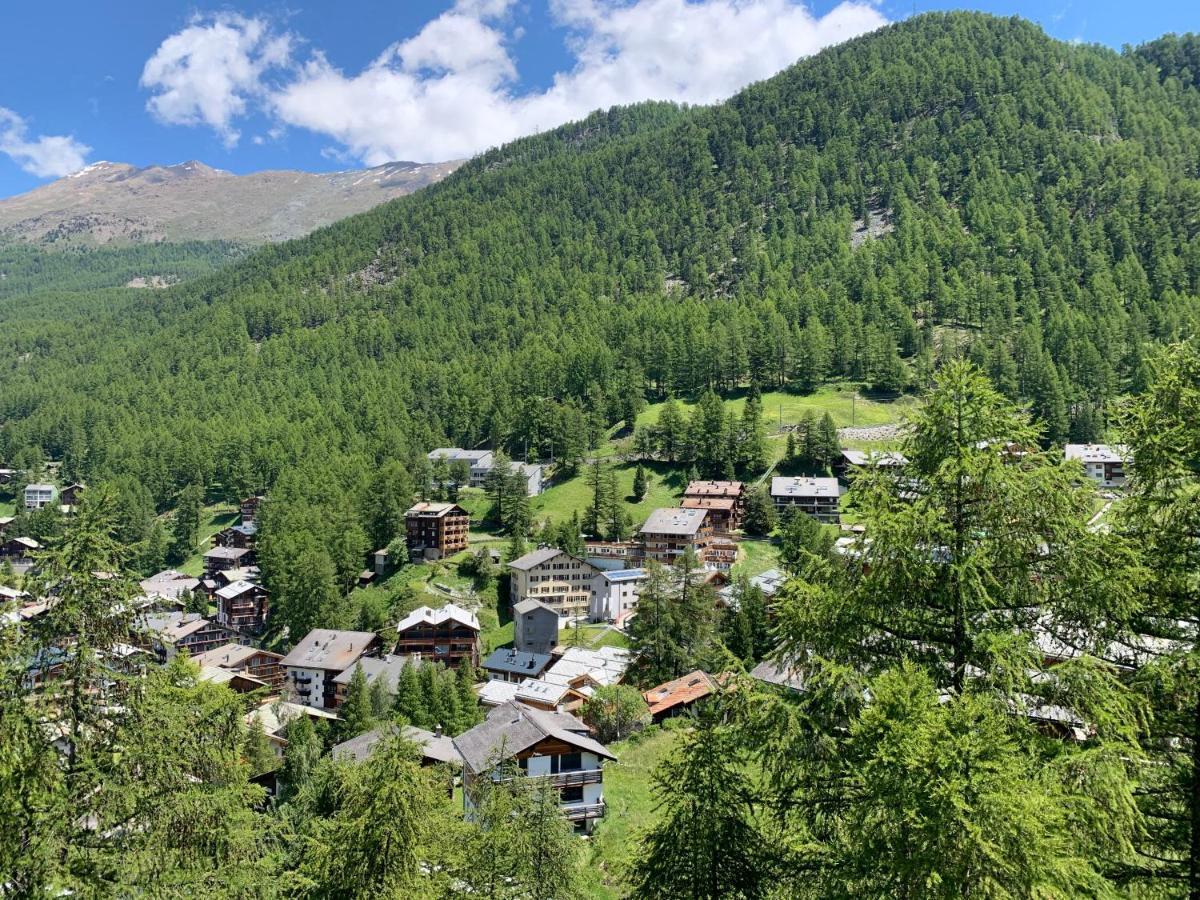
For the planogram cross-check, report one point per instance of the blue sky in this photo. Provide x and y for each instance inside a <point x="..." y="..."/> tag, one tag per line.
<point x="331" y="85"/>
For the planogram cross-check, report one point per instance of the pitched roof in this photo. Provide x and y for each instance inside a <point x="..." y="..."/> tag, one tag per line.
<point x="782" y="486"/>
<point x="424" y="615"/>
<point x="605" y="665"/>
<point x="169" y="583"/>
<point x="780" y="676"/>
<point x="528" y="605"/>
<point x="620" y="576"/>
<point x="708" y="503"/>
<point x="535" y="558"/>
<point x="231" y="656"/>
<point x="434" y="510"/>
<point x="274" y="715"/>
<point x="672" y="520"/>
<point x="680" y="692"/>
<point x="438" y="748"/>
<point x="452" y="453"/>
<point x="226" y="553"/>
<point x="1096" y="453"/>
<point x="868" y="457"/>
<point x="324" y="648"/>
<point x="713" y="489"/>
<point x="387" y="667"/>
<point x="494" y="693"/>
<point x="235" y="589"/>
<point x="512" y="728"/>
<point x="517" y="662"/>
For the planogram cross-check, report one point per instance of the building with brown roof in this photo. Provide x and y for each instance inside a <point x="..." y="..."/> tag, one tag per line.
<point x="449" y="634"/>
<point x="436" y="530"/>
<point x="323" y="654"/>
<point x="253" y="661"/>
<point x="243" y="605"/>
<point x="673" y="697"/>
<point x="725" y="501"/>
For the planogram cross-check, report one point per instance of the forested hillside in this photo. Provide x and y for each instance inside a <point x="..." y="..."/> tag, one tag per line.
<point x="954" y="182"/>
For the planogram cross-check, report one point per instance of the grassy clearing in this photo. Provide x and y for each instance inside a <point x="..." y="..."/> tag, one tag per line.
<point x="843" y="402"/>
<point x="592" y="637"/>
<point x="665" y="487"/>
<point x="213" y="519"/>
<point x="755" y="557"/>
<point x="631" y="805"/>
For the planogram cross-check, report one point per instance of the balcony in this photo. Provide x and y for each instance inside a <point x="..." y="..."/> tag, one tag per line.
<point x="577" y="812"/>
<point x="576" y="778"/>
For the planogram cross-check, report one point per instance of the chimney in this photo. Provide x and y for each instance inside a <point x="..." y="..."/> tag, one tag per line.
<point x="437" y="732"/>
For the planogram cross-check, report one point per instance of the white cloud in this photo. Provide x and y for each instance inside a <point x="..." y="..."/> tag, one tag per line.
<point x="451" y="89"/>
<point x="207" y="73"/>
<point x="46" y="156"/>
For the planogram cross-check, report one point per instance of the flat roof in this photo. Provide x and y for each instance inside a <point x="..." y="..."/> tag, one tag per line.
<point x="805" y="487"/>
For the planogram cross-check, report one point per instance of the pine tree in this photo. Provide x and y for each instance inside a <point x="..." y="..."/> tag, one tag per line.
<point x="186" y="529"/>
<point x="468" y="701"/>
<point x="707" y="841"/>
<point x="409" y="702"/>
<point x="300" y="756"/>
<point x="640" y="485"/>
<point x="760" y="517"/>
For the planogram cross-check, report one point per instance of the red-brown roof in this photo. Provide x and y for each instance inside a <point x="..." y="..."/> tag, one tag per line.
<point x="713" y="489"/>
<point x="726" y="503"/>
<point x="680" y="692"/>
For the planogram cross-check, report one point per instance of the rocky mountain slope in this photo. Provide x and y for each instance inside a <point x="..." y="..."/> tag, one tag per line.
<point x="118" y="204"/>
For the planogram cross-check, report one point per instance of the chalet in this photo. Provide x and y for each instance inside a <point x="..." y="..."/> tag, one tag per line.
<point x="219" y="559"/>
<point x="436" y="530"/>
<point x="5" y="521"/>
<point x="436" y="749"/>
<point x="817" y="497"/>
<point x="670" y="533"/>
<point x="170" y="632"/>
<point x="675" y="697"/>
<point x="19" y="548"/>
<point x="249" y="508"/>
<point x="725" y="501"/>
<point x="1105" y="464"/>
<point x="69" y="496"/>
<point x="516" y="741"/>
<point x="509" y="664"/>
<point x="446" y="635"/>
<point x="785" y="677"/>
<point x="253" y="661"/>
<point x="615" y="594"/>
<point x="535" y="626"/>
<point x="554" y="577"/>
<point x="242" y="535"/>
<point x="238" y="682"/>
<point x="8" y="476"/>
<point x="169" y="584"/>
<point x="323" y="654"/>
<point x="387" y="667"/>
<point x="39" y="495"/>
<point x="769" y="582"/>
<point x="848" y="462"/>
<point x="274" y="716"/>
<point x="243" y="605"/>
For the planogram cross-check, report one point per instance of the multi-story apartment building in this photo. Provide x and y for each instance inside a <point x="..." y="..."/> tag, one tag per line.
<point x="243" y="605"/>
<point x="436" y="530"/>
<point x="38" y="495"/>
<point x="817" y="497"/>
<point x="447" y="635"/>
<point x="1104" y="464"/>
<point x="315" y="662"/>
<point x="724" y="501"/>
<point x="253" y="661"/>
<point x="669" y="533"/>
<point x="518" y="741"/>
<point x="554" y="577"/>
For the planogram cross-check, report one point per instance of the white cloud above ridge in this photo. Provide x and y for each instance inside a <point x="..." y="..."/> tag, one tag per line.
<point x="46" y="156"/>
<point x="209" y="73"/>
<point x="451" y="89"/>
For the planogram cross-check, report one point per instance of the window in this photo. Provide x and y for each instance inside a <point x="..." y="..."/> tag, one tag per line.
<point x="571" y="794"/>
<point x="566" y="762"/>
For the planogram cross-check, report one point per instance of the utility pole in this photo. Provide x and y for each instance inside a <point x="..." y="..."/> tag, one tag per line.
<point x="854" y="408"/>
